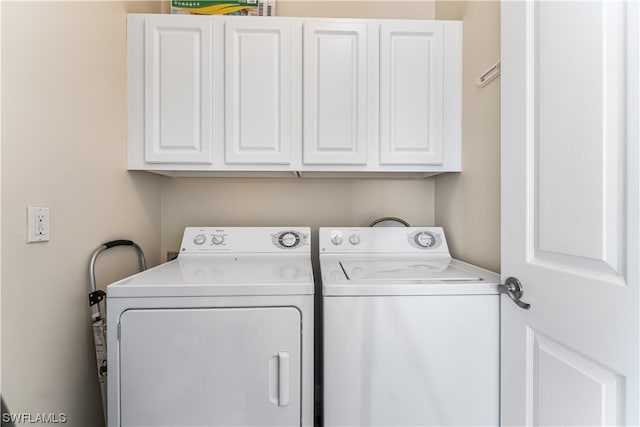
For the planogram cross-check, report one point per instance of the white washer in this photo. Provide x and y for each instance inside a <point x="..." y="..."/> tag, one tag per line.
<point x="221" y="336"/>
<point x="411" y="336"/>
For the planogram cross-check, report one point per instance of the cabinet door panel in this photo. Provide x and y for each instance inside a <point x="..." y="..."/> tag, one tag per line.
<point x="258" y="74"/>
<point x="411" y="82"/>
<point x="178" y="79"/>
<point x="334" y="94"/>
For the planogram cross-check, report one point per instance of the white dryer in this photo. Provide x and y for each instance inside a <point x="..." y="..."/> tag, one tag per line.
<point x="221" y="336"/>
<point x="411" y="336"/>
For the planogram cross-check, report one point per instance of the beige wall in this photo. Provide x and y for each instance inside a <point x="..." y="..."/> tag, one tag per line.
<point x="467" y="205"/>
<point x="415" y="9"/>
<point x="64" y="146"/>
<point x="284" y="201"/>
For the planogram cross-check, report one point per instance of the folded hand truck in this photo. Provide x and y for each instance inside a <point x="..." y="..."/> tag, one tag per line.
<point x="97" y="303"/>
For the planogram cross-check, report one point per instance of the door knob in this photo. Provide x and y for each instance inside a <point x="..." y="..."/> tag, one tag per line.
<point x="513" y="288"/>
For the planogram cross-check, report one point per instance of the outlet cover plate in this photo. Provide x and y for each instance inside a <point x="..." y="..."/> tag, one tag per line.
<point x="37" y="224"/>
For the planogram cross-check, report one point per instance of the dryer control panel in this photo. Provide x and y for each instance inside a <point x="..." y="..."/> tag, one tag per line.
<point x="386" y="240"/>
<point x="208" y="240"/>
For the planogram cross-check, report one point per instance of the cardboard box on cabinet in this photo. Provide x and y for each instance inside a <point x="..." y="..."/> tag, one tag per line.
<point x="224" y="7"/>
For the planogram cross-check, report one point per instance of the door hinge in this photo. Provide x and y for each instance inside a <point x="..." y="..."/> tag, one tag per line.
<point x="118" y="331"/>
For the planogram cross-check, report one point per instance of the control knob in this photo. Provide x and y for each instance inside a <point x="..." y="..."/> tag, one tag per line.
<point x="336" y="238"/>
<point x="425" y="239"/>
<point x="289" y="239"/>
<point x="199" y="239"/>
<point x="354" y="239"/>
<point x="217" y="239"/>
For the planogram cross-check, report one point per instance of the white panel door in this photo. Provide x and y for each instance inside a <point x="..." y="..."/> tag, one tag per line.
<point x="262" y="66"/>
<point x="570" y="216"/>
<point x="411" y="93"/>
<point x="178" y="89"/>
<point x="210" y="367"/>
<point x="336" y="75"/>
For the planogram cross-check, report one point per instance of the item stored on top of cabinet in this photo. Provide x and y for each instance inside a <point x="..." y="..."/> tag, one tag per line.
<point x="228" y="95"/>
<point x="224" y="7"/>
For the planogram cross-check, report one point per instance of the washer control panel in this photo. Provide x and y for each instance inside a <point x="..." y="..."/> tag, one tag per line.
<point x="383" y="240"/>
<point x="203" y="240"/>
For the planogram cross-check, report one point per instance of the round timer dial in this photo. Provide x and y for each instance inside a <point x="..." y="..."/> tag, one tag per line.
<point x="289" y="239"/>
<point x="425" y="239"/>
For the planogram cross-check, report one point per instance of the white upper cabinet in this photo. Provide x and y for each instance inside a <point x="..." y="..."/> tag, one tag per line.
<point x="225" y="94"/>
<point x="336" y="73"/>
<point x="177" y="87"/>
<point x="261" y="59"/>
<point x="411" y="93"/>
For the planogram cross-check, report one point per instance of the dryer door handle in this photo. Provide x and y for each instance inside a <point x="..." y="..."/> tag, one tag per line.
<point x="284" y="378"/>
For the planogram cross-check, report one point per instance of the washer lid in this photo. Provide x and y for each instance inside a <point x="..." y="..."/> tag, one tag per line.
<point x="371" y="276"/>
<point x="221" y="275"/>
<point x="439" y="270"/>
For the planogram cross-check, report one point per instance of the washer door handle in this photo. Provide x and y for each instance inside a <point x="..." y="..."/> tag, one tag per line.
<point x="513" y="288"/>
<point x="284" y="378"/>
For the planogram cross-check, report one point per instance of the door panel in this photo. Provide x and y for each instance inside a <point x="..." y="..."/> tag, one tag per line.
<point x="259" y="62"/>
<point x="335" y="100"/>
<point x="178" y="116"/>
<point x="411" y="93"/>
<point x="571" y="233"/>
<point x="571" y="389"/>
<point x="570" y="212"/>
<point x="214" y="367"/>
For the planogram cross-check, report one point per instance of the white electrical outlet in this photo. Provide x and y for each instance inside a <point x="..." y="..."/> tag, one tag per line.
<point x="37" y="224"/>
